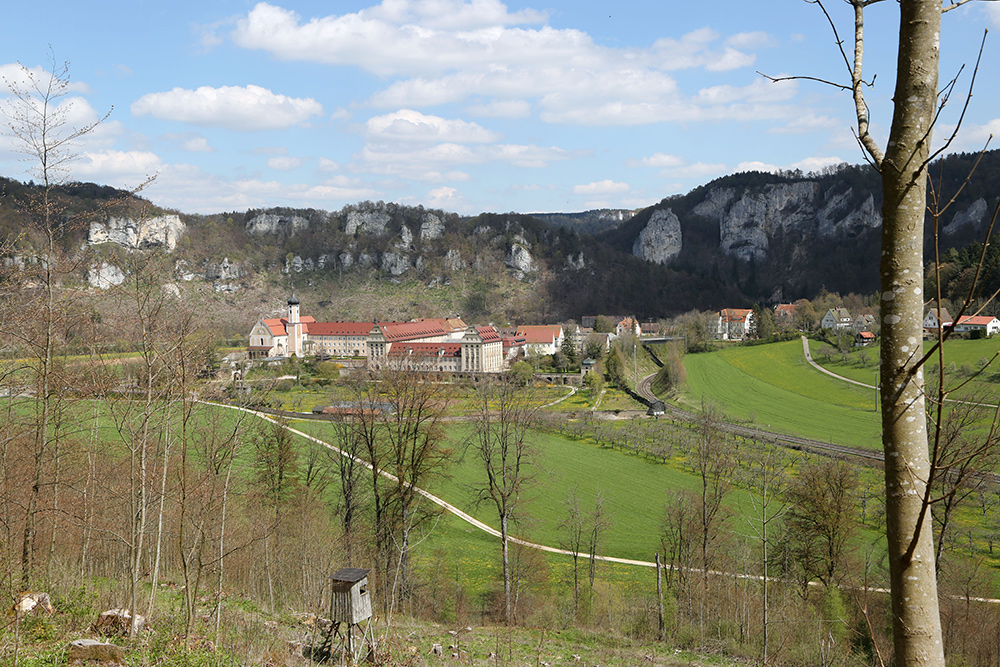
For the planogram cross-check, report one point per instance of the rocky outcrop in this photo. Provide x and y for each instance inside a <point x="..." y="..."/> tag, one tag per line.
<point x="105" y="276"/>
<point x="395" y="263"/>
<point x="273" y="224"/>
<point x="453" y="260"/>
<point x="749" y="220"/>
<point x="660" y="240"/>
<point x="431" y="227"/>
<point x="224" y="270"/>
<point x="367" y="221"/>
<point x="162" y="231"/>
<point x="970" y="217"/>
<point x="405" y="241"/>
<point x="520" y="261"/>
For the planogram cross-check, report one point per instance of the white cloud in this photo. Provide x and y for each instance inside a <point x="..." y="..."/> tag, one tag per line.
<point x="446" y="198"/>
<point x="392" y="39"/>
<point x="285" y="163"/>
<point x="197" y="145"/>
<point x="501" y="109"/>
<point x="18" y="76"/>
<point x="974" y="137"/>
<point x="696" y="170"/>
<point x="811" y="164"/>
<point x="121" y="168"/>
<point x="756" y="165"/>
<point x="495" y="57"/>
<point x="452" y="14"/>
<point x="605" y="187"/>
<point x="413" y="126"/>
<point x="749" y="40"/>
<point x="658" y="160"/>
<point x="993" y="12"/>
<point x="443" y="161"/>
<point x="234" y="107"/>
<point x="189" y="141"/>
<point x="326" y="164"/>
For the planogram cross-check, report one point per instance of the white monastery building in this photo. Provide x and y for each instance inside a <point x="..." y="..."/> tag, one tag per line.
<point x="442" y="345"/>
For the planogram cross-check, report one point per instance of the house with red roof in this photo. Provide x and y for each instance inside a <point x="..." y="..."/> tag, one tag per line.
<point x="988" y="324"/>
<point x="734" y="323"/>
<point x="541" y="338"/>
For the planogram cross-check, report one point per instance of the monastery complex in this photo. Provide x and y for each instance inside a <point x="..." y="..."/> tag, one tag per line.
<point x="441" y="345"/>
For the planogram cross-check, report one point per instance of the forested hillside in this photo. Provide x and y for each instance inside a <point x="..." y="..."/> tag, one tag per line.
<point x="742" y="239"/>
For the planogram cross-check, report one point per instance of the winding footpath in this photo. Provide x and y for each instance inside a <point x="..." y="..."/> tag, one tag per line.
<point x="643" y="388"/>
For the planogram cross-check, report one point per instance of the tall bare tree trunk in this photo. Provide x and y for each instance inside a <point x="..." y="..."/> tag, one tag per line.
<point x="916" y="620"/>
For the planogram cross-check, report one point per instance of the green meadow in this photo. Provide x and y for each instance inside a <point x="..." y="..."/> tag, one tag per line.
<point x="962" y="358"/>
<point x="772" y="387"/>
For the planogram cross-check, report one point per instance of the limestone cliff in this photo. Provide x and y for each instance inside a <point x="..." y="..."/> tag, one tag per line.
<point x="159" y="231"/>
<point x="273" y="224"/>
<point x="660" y="240"/>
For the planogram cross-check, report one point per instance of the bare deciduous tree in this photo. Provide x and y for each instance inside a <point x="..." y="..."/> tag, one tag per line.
<point x="502" y="441"/>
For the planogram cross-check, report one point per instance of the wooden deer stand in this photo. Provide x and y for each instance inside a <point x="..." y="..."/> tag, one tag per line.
<point x="350" y="604"/>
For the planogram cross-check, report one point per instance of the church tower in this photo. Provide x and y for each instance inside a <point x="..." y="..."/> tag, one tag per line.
<point x="294" y="327"/>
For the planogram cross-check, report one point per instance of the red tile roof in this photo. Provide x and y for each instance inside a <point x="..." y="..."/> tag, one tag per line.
<point x="734" y="314"/>
<point x="975" y="320"/>
<point x="539" y="333"/>
<point x="488" y="334"/>
<point x="402" y="331"/>
<point x="339" y="328"/>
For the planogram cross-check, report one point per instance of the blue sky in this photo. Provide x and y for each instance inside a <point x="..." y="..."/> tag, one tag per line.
<point x="465" y="105"/>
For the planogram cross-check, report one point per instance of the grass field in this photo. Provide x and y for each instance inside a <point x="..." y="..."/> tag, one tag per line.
<point x="961" y="356"/>
<point x="773" y="387"/>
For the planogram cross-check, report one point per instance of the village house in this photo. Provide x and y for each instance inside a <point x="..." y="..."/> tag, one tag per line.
<point x="863" y="338"/>
<point x="987" y="324"/>
<point x="935" y="319"/>
<point x="734" y="323"/>
<point x="837" y="319"/>
<point x="541" y="338"/>
<point x="863" y="323"/>
<point x="784" y="314"/>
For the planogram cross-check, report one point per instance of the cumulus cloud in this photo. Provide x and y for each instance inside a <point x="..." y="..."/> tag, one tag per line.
<point x="446" y="161"/>
<point x="446" y="198"/>
<point x="658" y="160"/>
<point x="697" y="170"/>
<point x="496" y="56"/>
<point x="413" y="126"/>
<point x="284" y="163"/>
<point x="501" y="109"/>
<point x="326" y="164"/>
<point x="233" y="107"/>
<point x="749" y="40"/>
<point x="122" y="168"/>
<point x="18" y="76"/>
<point x="189" y="141"/>
<point x="605" y="187"/>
